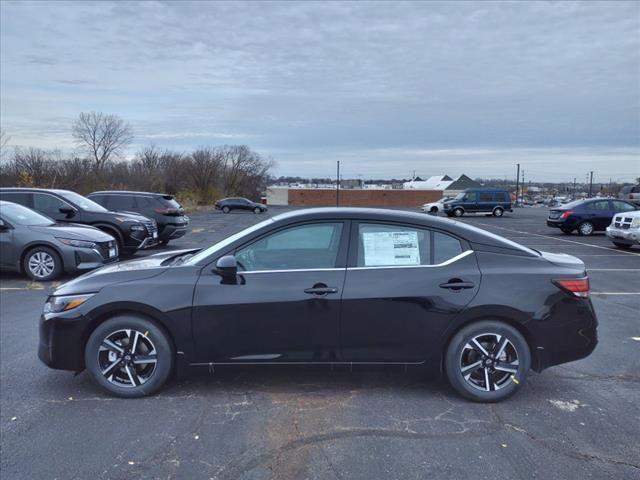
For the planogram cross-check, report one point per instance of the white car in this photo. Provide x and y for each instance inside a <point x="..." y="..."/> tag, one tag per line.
<point x="624" y="230"/>
<point x="435" y="207"/>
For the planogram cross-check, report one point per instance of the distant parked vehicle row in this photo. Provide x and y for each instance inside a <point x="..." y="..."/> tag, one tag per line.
<point x="587" y="216"/>
<point x="237" y="203"/>
<point x="630" y="193"/>
<point x="43" y="249"/>
<point x="479" y="200"/>
<point x="164" y="209"/>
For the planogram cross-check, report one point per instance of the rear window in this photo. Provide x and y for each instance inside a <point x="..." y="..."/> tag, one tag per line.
<point x="168" y="201"/>
<point x="120" y="202"/>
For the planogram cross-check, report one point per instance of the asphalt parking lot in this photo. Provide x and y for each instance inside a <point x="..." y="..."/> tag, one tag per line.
<point x="579" y="420"/>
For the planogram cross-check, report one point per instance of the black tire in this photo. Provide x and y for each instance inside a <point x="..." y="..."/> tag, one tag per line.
<point x="42" y="264"/>
<point x="472" y="385"/>
<point x="148" y="377"/>
<point x="498" y="212"/>
<point x="624" y="246"/>
<point x="226" y="209"/>
<point x="257" y="210"/>
<point x="585" y="229"/>
<point x="566" y="231"/>
<point x="457" y="212"/>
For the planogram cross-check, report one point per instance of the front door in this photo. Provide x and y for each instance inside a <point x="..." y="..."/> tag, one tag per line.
<point x="471" y="202"/>
<point x="404" y="285"/>
<point x="285" y="305"/>
<point x="50" y="206"/>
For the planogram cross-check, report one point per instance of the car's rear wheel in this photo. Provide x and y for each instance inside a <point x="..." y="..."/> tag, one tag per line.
<point x="129" y="356"/>
<point x="622" y="245"/>
<point x="42" y="264"/>
<point x="257" y="210"/>
<point x="498" y="212"/>
<point x="226" y="209"/>
<point x="585" y="229"/>
<point x="487" y="361"/>
<point x="458" y="212"/>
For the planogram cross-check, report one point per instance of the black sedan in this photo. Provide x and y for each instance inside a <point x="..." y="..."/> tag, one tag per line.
<point x="237" y="203"/>
<point x="43" y="249"/>
<point x="586" y="216"/>
<point x="333" y="286"/>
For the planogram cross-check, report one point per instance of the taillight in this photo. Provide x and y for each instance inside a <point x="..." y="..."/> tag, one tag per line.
<point x="577" y="286"/>
<point x="167" y="211"/>
<point x="566" y="214"/>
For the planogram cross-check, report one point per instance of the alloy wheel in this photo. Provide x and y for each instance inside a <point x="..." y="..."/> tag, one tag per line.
<point x="586" y="228"/>
<point x="41" y="264"/>
<point x="489" y="361"/>
<point x="127" y="358"/>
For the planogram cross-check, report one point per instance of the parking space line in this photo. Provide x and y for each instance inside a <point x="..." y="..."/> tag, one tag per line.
<point x="560" y="239"/>
<point x="12" y="288"/>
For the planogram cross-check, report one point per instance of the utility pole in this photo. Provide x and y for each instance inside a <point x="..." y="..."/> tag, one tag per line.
<point x="517" y="183"/>
<point x="590" y="182"/>
<point x="338" y="186"/>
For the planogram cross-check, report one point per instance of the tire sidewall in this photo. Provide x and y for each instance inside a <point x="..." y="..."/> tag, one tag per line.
<point x="454" y="351"/>
<point x="458" y="212"/>
<point x="226" y="209"/>
<point x="57" y="261"/>
<point x="257" y="210"/>
<point x="164" y="349"/>
<point x="498" y="212"/>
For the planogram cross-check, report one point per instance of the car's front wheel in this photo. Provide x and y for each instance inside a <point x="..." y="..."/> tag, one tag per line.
<point x="42" y="264"/>
<point x="129" y="356"/>
<point x="226" y="209"/>
<point x="487" y="361"/>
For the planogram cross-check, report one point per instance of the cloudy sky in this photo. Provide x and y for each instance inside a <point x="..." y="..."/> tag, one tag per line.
<point x="386" y="88"/>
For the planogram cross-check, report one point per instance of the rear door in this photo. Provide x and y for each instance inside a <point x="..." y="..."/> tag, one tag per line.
<point x="404" y="285"/>
<point x="600" y="213"/>
<point x="285" y="306"/>
<point x="486" y="201"/>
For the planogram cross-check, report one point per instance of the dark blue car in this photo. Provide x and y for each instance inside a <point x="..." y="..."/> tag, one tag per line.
<point x="479" y="200"/>
<point x="587" y="216"/>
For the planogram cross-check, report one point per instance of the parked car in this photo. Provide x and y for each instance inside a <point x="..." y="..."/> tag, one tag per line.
<point x="237" y="203"/>
<point x="333" y="286"/>
<point x="131" y="231"/>
<point x="630" y="193"/>
<point x="586" y="216"/>
<point x="479" y="200"/>
<point x="163" y="208"/>
<point x="624" y="230"/>
<point x="435" y="207"/>
<point x="33" y="244"/>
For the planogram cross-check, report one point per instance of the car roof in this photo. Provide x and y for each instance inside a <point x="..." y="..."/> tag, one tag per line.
<point x="130" y="192"/>
<point x="33" y="189"/>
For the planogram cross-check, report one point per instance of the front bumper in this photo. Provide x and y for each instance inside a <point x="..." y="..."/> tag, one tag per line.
<point x="61" y="341"/>
<point x="629" y="237"/>
<point x="83" y="259"/>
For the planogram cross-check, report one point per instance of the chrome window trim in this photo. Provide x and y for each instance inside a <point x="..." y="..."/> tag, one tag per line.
<point x="443" y="264"/>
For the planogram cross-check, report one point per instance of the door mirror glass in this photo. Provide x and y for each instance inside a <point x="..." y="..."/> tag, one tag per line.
<point x="227" y="267"/>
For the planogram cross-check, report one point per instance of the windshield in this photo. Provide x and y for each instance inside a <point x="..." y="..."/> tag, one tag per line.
<point x="223" y="243"/>
<point x="19" y="215"/>
<point x="83" y="202"/>
<point x="460" y="196"/>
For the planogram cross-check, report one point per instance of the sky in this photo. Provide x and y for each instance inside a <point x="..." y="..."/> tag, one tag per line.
<point x="385" y="88"/>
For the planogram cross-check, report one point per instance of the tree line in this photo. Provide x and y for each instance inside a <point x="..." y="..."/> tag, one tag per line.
<point x="198" y="177"/>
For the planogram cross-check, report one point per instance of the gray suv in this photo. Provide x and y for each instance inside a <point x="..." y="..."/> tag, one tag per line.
<point x="34" y="244"/>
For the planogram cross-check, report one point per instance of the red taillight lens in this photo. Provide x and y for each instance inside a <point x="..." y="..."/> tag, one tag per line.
<point x="566" y="214"/>
<point x="167" y="211"/>
<point x="578" y="286"/>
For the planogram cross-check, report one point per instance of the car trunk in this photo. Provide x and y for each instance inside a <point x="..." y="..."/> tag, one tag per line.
<point x="565" y="260"/>
<point x="555" y="213"/>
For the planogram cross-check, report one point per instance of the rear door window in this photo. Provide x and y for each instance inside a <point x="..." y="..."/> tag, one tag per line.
<point x="383" y="245"/>
<point x="445" y="247"/>
<point x="121" y="202"/>
<point x="486" y="197"/>
<point x="600" y="206"/>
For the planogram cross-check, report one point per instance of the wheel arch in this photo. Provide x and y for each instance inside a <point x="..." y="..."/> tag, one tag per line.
<point x="101" y="315"/>
<point x="498" y="316"/>
<point x="39" y="243"/>
<point x="112" y="230"/>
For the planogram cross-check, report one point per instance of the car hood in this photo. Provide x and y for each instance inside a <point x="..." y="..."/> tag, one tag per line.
<point x="131" y="270"/>
<point x="73" y="231"/>
<point x="130" y="216"/>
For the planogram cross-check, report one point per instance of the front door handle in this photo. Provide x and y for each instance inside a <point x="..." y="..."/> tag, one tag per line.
<point x="320" y="289"/>
<point x="457" y="284"/>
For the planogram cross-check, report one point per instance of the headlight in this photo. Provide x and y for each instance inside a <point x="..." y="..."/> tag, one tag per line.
<point x="65" y="302"/>
<point x="138" y="228"/>
<point x="635" y="223"/>
<point x="77" y="243"/>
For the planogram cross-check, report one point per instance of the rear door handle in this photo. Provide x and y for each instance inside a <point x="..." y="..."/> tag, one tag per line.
<point x="320" y="289"/>
<point x="457" y="285"/>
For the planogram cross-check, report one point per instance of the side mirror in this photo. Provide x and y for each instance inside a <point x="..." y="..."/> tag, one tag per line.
<point x="227" y="268"/>
<point x="3" y="226"/>
<point x="68" y="211"/>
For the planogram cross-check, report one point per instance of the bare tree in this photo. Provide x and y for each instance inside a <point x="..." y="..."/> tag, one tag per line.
<point x="102" y="136"/>
<point x="205" y="168"/>
<point x="4" y="139"/>
<point x="34" y="166"/>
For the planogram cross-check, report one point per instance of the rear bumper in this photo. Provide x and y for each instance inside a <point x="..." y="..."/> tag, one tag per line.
<point x="171" y="231"/>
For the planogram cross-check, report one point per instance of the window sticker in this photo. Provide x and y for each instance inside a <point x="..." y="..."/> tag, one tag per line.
<point x="391" y="248"/>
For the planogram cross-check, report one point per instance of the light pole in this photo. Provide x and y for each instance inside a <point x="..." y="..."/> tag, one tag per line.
<point x="338" y="185"/>
<point x="517" y="183"/>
